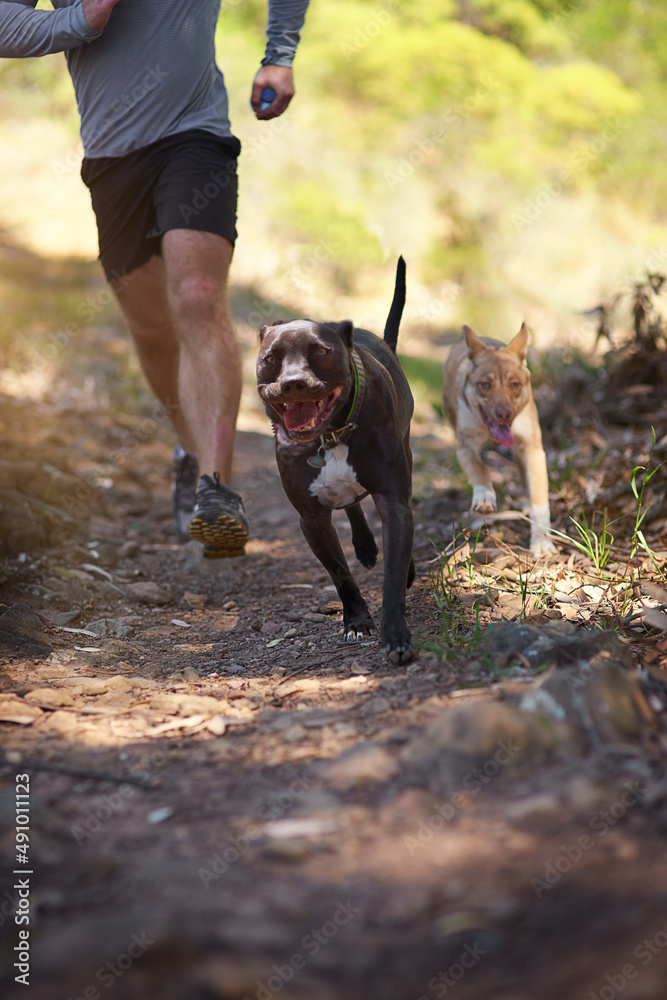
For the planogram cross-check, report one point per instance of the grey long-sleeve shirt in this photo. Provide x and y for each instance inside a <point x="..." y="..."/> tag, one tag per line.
<point x="150" y="73"/>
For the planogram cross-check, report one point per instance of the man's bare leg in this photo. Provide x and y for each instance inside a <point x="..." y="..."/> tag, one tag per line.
<point x="176" y="310"/>
<point x="177" y="313"/>
<point x="209" y="380"/>
<point x="209" y="374"/>
<point x="142" y="296"/>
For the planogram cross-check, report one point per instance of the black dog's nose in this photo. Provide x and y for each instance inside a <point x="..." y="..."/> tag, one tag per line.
<point x="292" y="385"/>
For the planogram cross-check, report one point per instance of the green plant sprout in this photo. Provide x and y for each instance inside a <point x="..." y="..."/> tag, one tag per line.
<point x="596" y="545"/>
<point x="539" y="590"/>
<point x="638" y="537"/>
<point x="457" y="629"/>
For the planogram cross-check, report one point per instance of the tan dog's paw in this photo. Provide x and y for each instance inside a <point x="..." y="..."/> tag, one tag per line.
<point x="483" y="500"/>
<point x="540" y="545"/>
<point x="540" y="534"/>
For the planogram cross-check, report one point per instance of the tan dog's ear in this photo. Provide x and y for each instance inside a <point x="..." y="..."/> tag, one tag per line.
<point x="263" y="332"/>
<point x="475" y="345"/>
<point x="519" y="345"/>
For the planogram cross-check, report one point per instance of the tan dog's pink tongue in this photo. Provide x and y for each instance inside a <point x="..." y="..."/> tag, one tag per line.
<point x="502" y="433"/>
<point x="299" y="414"/>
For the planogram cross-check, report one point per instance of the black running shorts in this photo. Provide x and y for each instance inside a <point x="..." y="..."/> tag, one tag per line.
<point x="186" y="181"/>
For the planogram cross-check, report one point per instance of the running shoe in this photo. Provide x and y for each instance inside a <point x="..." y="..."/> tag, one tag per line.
<point x="219" y="519"/>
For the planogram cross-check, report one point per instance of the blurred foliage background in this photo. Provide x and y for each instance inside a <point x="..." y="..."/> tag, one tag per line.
<point x="512" y="150"/>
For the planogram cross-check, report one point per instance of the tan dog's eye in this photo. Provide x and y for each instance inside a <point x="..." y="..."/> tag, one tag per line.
<point x="484" y="385"/>
<point x="515" y="385"/>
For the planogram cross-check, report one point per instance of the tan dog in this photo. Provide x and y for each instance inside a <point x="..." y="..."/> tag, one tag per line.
<point x="489" y="400"/>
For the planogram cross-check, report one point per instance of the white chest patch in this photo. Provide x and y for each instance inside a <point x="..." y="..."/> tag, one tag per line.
<point x="337" y="484"/>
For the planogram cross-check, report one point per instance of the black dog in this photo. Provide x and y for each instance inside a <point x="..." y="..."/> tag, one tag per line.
<point x="341" y="408"/>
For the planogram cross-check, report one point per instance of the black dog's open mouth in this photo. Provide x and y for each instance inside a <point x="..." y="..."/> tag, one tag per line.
<point x="305" y="417"/>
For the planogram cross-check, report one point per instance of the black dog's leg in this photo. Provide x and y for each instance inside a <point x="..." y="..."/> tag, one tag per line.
<point x="320" y="534"/>
<point x="362" y="537"/>
<point x="408" y="456"/>
<point x="397" y="539"/>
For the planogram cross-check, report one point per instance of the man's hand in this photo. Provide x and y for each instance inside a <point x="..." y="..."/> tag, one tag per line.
<point x="97" y="12"/>
<point x="280" y="79"/>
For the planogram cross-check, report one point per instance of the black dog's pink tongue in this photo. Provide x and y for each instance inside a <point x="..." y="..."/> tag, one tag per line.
<point x="502" y="433"/>
<point x="299" y="414"/>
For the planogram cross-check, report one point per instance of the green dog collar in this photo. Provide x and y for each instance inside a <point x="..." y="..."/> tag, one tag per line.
<point x="330" y="439"/>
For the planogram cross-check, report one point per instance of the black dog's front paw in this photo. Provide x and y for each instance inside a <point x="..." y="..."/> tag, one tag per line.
<point x="397" y="643"/>
<point x="358" y="628"/>
<point x="402" y="653"/>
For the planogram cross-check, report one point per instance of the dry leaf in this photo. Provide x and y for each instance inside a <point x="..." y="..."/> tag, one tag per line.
<point x="654" y="591"/>
<point x="655" y="618"/>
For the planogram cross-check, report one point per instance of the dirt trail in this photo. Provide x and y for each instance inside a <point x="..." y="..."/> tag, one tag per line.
<point x="228" y="802"/>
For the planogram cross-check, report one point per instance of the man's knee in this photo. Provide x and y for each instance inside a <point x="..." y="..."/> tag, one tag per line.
<point x="197" y="297"/>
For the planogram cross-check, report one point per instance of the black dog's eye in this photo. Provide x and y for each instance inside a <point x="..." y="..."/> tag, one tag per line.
<point x="323" y="351"/>
<point x="268" y="359"/>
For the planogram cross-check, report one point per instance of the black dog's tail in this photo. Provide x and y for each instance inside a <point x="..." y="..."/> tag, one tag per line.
<point x="396" y="310"/>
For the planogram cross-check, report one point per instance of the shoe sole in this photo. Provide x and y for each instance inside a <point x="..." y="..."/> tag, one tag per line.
<point x="210" y="553"/>
<point x="223" y="538"/>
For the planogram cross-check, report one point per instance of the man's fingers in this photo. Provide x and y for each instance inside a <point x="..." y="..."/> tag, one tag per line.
<point x="256" y="95"/>
<point x="277" y="106"/>
<point x="281" y="81"/>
